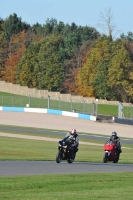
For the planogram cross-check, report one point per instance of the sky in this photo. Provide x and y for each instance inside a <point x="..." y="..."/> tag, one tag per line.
<point x="81" y="12"/>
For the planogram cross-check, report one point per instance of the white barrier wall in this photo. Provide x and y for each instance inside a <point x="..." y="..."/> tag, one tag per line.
<point x="48" y="111"/>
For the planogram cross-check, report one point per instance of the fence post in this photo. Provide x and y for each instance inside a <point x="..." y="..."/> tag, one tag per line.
<point x="131" y="115"/>
<point x="29" y="100"/>
<point x="12" y="99"/>
<point x="84" y="107"/>
<point x="71" y="105"/>
<point x="2" y="100"/>
<point x="59" y="103"/>
<point x="120" y="111"/>
<point x="48" y="101"/>
<point x="95" y="108"/>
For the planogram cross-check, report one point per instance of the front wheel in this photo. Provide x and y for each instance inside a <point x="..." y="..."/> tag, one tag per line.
<point x="59" y="157"/>
<point x="116" y="159"/>
<point x="105" y="158"/>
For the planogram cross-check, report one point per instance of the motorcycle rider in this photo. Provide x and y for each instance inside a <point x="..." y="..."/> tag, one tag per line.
<point x="73" y="137"/>
<point x="115" y="139"/>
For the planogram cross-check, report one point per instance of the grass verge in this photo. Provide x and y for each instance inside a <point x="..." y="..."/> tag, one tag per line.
<point x="25" y="149"/>
<point x="86" y="186"/>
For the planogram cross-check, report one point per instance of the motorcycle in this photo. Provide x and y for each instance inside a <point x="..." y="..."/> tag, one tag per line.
<point x="65" y="152"/>
<point x="110" y="152"/>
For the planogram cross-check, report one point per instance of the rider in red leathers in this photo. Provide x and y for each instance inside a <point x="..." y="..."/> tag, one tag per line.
<point x="115" y="139"/>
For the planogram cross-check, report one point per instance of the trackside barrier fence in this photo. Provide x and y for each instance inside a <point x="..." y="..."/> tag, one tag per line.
<point x="82" y="107"/>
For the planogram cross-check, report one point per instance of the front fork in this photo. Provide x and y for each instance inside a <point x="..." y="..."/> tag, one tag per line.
<point x="108" y="153"/>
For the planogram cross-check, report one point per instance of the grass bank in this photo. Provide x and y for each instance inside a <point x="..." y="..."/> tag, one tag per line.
<point x="25" y="149"/>
<point x="91" y="186"/>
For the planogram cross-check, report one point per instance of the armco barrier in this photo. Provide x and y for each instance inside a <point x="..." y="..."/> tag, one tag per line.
<point x="123" y="121"/>
<point x="49" y="111"/>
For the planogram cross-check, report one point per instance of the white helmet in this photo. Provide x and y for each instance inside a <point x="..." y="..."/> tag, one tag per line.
<point x="73" y="131"/>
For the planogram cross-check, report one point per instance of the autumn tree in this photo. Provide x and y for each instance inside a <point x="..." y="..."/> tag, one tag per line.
<point x="77" y="40"/>
<point x="89" y="74"/>
<point x="3" y="50"/>
<point x="42" y="65"/>
<point x="120" y="77"/>
<point x="73" y="66"/>
<point x="15" y="53"/>
<point x="16" y="47"/>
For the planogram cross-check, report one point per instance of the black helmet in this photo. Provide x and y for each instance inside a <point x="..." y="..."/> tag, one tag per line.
<point x="114" y="134"/>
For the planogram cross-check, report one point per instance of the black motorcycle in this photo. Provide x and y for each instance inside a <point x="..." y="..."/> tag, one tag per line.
<point x="65" y="152"/>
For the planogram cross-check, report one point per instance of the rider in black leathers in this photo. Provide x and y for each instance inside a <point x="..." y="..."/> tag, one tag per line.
<point x="74" y="137"/>
<point x="115" y="139"/>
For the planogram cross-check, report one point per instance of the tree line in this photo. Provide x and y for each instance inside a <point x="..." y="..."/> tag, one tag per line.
<point x="67" y="58"/>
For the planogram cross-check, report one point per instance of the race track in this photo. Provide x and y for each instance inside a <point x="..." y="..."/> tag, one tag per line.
<point x="23" y="168"/>
<point x="17" y="168"/>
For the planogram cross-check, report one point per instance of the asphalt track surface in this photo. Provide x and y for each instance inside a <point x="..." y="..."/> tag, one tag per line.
<point x="60" y="134"/>
<point x="26" y="168"/>
<point x="18" y="168"/>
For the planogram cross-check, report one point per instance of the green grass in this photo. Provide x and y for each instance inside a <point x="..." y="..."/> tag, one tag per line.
<point x="25" y="149"/>
<point x="88" y="186"/>
<point x="112" y="110"/>
<point x="92" y="186"/>
<point x="108" y="109"/>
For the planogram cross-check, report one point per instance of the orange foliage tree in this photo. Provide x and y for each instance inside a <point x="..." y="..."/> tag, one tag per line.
<point x="75" y="87"/>
<point x="15" y="52"/>
<point x="72" y="68"/>
<point x="18" y="43"/>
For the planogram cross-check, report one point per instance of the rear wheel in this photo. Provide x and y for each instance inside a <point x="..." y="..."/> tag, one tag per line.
<point x="105" y="158"/>
<point x="59" y="157"/>
<point x="71" y="158"/>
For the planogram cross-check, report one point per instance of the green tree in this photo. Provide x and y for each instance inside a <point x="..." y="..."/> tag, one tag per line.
<point x="128" y="37"/>
<point x="51" y="63"/>
<point x="50" y="25"/>
<point x="120" y="77"/>
<point x="13" y="25"/>
<point x="101" y="89"/>
<point x="42" y="65"/>
<point x="27" y="71"/>
<point x="89" y="78"/>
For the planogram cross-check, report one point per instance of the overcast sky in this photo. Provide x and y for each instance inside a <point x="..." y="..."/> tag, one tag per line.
<point x="81" y="12"/>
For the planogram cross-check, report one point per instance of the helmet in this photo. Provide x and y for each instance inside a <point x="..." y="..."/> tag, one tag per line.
<point x="73" y="131"/>
<point x="114" y="134"/>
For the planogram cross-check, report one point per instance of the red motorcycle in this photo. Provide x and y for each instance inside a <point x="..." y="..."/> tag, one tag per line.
<point x="110" y="152"/>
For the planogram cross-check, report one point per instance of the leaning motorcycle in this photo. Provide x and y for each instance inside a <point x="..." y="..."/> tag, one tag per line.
<point x="65" y="152"/>
<point x="110" y="152"/>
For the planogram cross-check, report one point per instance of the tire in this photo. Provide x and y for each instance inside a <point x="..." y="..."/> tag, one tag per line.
<point x="105" y="158"/>
<point x="116" y="159"/>
<point x="71" y="160"/>
<point x="59" y="157"/>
